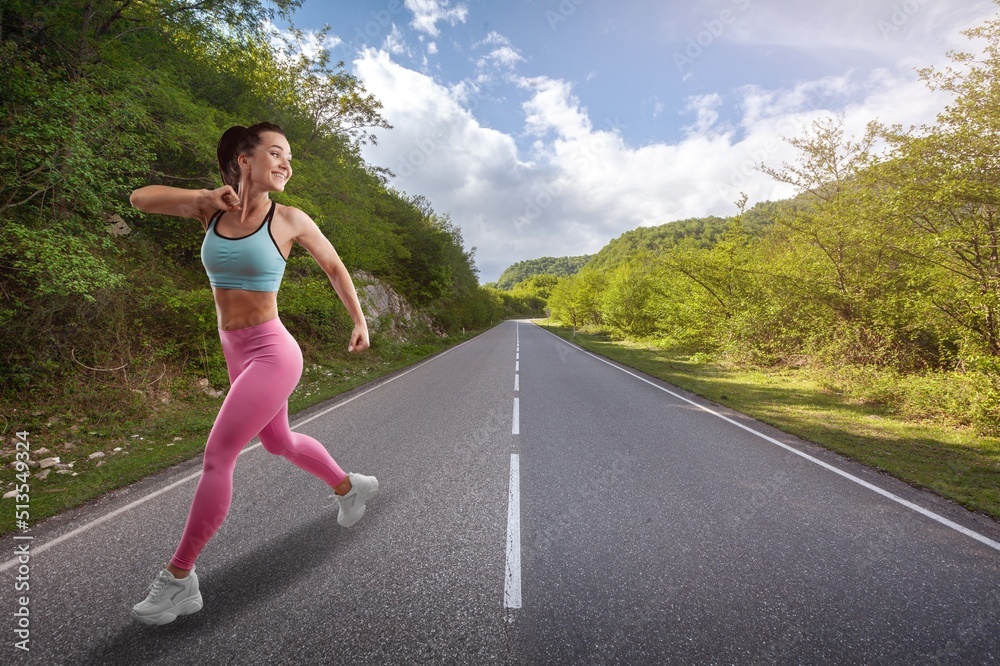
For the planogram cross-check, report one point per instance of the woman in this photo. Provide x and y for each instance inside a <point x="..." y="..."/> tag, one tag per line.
<point x="247" y="240"/>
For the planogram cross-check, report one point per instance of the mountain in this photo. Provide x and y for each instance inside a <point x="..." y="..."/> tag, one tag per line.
<point x="558" y="266"/>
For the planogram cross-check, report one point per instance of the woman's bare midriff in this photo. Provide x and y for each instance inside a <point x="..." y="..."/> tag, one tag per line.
<point x="238" y="308"/>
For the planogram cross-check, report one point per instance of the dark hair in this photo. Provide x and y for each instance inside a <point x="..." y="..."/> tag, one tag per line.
<point x="236" y="141"/>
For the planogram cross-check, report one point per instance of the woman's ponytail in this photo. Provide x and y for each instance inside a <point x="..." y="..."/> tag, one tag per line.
<point x="229" y="150"/>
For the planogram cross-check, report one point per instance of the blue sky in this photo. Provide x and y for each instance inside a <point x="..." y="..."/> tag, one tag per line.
<point x="549" y="127"/>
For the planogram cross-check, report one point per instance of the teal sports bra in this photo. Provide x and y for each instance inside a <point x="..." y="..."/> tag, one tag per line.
<point x="252" y="262"/>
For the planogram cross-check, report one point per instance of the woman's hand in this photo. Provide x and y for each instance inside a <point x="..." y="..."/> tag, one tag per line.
<point x="359" y="338"/>
<point x="225" y="198"/>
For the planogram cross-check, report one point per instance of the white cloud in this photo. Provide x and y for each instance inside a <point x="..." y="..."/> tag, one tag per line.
<point x="394" y="42"/>
<point x="554" y="109"/>
<point x="504" y="55"/>
<point x="572" y="187"/>
<point x="705" y="108"/>
<point x="427" y="13"/>
<point x="502" y="58"/>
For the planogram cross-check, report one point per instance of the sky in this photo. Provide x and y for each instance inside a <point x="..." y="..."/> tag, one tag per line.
<point x="550" y="127"/>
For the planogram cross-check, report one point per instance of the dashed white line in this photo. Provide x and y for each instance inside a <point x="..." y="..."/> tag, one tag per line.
<point x="517" y="383"/>
<point x="516" y="426"/>
<point x="512" y="575"/>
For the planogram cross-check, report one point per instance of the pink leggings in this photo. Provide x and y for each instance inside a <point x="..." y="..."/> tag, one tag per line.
<point x="265" y="364"/>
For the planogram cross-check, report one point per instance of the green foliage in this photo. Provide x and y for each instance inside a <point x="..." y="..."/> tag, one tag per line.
<point x="555" y="266"/>
<point x="103" y="97"/>
<point x="506" y="305"/>
<point x="626" y="300"/>
<point x="576" y="300"/>
<point x="697" y="232"/>
<point x="537" y="286"/>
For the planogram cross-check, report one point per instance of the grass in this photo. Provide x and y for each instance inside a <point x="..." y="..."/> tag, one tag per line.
<point x="170" y="433"/>
<point x="954" y="462"/>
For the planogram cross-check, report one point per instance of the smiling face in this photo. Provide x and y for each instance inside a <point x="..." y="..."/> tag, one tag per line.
<point x="270" y="164"/>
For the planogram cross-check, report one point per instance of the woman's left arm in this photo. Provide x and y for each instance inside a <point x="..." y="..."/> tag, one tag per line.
<point x="321" y="249"/>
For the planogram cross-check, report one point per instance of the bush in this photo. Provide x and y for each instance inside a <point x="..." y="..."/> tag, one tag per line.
<point x="961" y="399"/>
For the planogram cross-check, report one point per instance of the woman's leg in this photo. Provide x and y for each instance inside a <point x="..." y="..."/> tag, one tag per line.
<point x="353" y="491"/>
<point x="301" y="450"/>
<point x="264" y="370"/>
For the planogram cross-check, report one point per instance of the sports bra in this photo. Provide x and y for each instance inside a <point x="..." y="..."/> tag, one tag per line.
<point x="253" y="262"/>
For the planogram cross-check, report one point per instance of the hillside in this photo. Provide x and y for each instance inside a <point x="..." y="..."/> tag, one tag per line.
<point x="557" y="266"/>
<point x="705" y="231"/>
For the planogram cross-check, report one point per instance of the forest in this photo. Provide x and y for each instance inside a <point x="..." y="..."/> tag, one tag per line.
<point x="554" y="266"/>
<point x="883" y="271"/>
<point x="102" y="307"/>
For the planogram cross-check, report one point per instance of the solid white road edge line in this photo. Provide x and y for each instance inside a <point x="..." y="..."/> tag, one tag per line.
<point x="861" y="482"/>
<point x="142" y="500"/>
<point x="512" y="575"/>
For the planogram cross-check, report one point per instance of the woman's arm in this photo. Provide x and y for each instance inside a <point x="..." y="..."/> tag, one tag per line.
<point x="321" y="249"/>
<point x="198" y="204"/>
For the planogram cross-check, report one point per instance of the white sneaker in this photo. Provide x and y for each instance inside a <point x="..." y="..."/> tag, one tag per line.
<point x="168" y="598"/>
<point x="352" y="505"/>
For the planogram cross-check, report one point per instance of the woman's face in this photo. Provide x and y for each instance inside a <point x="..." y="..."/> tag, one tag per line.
<point x="270" y="165"/>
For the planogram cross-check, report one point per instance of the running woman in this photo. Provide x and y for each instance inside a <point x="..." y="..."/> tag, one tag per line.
<point x="247" y="239"/>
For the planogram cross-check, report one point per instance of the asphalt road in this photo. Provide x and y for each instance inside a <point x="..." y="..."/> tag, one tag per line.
<point x="538" y="505"/>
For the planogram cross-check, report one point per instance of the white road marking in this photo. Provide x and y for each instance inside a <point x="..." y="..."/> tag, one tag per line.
<point x="142" y="500"/>
<point x="512" y="575"/>
<point x="861" y="482"/>
<point x="517" y="383"/>
<point x="516" y="427"/>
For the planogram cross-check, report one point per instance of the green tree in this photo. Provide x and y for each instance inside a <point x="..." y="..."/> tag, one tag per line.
<point x="943" y="184"/>
<point x="837" y="250"/>
<point x="625" y="303"/>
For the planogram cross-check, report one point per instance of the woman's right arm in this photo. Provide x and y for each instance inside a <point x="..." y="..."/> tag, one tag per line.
<point x="198" y="204"/>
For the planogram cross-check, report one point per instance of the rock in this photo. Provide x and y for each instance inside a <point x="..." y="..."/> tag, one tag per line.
<point x="48" y="462"/>
<point x="207" y="389"/>
<point x="43" y="474"/>
<point x="96" y="454"/>
<point x="387" y="312"/>
<point x="117" y="226"/>
<point x="10" y="493"/>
